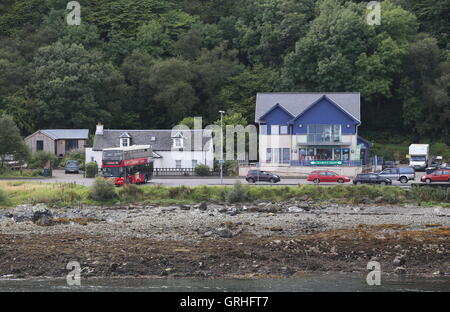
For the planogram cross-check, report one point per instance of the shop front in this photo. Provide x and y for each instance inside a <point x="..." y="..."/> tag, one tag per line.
<point x="323" y="153"/>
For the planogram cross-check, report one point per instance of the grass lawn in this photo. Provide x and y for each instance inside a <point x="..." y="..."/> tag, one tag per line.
<point x="13" y="193"/>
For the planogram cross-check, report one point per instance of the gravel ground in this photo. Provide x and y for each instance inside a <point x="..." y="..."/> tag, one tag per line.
<point x="191" y="223"/>
<point x="219" y="241"/>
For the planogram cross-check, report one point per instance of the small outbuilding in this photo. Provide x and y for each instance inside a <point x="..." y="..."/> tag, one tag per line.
<point x="57" y="141"/>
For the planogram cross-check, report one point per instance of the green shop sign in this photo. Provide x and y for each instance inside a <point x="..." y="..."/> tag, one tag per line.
<point x="326" y="162"/>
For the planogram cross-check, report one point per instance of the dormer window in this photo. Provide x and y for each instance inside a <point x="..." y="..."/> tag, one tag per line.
<point x="178" y="143"/>
<point x="125" y="139"/>
<point x="177" y="140"/>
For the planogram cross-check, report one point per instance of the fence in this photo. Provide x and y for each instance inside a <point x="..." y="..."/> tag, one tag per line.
<point x="173" y="172"/>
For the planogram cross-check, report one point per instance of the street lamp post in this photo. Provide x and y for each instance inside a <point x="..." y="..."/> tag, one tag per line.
<point x="221" y="146"/>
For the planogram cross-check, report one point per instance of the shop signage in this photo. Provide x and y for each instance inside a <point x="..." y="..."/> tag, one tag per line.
<point x="325" y="162"/>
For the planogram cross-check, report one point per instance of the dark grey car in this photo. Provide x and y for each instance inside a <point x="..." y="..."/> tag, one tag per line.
<point x="399" y="174"/>
<point x="72" y="166"/>
<point x="262" y="176"/>
<point x="371" y="178"/>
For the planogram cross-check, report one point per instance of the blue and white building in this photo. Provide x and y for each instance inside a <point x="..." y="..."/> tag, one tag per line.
<point x="300" y="130"/>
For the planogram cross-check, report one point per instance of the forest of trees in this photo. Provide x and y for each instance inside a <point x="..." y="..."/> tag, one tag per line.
<point x="151" y="63"/>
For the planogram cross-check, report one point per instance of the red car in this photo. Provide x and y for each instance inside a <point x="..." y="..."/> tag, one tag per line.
<point x="318" y="176"/>
<point x="439" y="175"/>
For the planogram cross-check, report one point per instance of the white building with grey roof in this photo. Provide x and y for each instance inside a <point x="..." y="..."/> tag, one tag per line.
<point x="180" y="148"/>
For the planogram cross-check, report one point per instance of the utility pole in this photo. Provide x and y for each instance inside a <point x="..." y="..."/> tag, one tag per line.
<point x="221" y="146"/>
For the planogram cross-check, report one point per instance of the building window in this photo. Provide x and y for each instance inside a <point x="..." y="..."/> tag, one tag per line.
<point x="263" y="129"/>
<point x="177" y="143"/>
<point x="194" y="163"/>
<point x="39" y="145"/>
<point x="178" y="164"/>
<point x="269" y="155"/>
<point x="124" y="142"/>
<point x="71" y="145"/>
<point x="278" y="155"/>
<point x="274" y="129"/>
<point x="324" y="133"/>
<point x="324" y="154"/>
<point x="283" y="129"/>
<point x="345" y="154"/>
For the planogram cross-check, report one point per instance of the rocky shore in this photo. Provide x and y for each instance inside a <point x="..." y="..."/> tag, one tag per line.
<point x="218" y="240"/>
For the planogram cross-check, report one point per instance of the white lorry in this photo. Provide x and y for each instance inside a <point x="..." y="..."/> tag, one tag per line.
<point x="418" y="156"/>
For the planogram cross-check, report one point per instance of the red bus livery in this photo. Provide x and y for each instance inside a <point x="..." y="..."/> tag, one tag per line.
<point x="128" y="165"/>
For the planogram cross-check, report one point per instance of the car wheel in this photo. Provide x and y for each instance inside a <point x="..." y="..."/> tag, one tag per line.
<point x="404" y="180"/>
<point x="250" y="180"/>
<point x="358" y="183"/>
<point x="383" y="183"/>
<point x="272" y="180"/>
<point x="316" y="181"/>
<point x="340" y="180"/>
<point x="428" y="181"/>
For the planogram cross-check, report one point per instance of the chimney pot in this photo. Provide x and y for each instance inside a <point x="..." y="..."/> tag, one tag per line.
<point x="99" y="129"/>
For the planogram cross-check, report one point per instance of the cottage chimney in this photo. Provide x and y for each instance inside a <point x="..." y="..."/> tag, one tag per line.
<point x="99" y="130"/>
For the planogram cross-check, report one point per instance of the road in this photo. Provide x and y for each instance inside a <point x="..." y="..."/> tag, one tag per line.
<point x="60" y="177"/>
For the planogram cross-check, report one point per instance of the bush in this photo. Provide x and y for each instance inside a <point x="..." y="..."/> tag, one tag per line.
<point x="440" y="149"/>
<point x="37" y="173"/>
<point x="180" y="192"/>
<point x="91" y="169"/>
<point x="430" y="194"/>
<point x="202" y="170"/>
<point x="102" y="190"/>
<point x="4" y="201"/>
<point x="131" y="192"/>
<point x="41" y="158"/>
<point x="238" y="194"/>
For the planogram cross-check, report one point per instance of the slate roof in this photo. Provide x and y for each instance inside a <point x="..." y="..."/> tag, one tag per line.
<point x="60" y="134"/>
<point x="163" y="139"/>
<point x="296" y="102"/>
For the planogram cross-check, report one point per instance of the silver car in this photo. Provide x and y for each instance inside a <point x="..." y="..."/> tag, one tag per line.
<point x="399" y="174"/>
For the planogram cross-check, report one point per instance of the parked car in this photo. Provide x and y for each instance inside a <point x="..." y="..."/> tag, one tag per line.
<point x="72" y="166"/>
<point x="440" y="175"/>
<point x="371" y="178"/>
<point x="399" y="174"/>
<point x="326" y="176"/>
<point x="432" y="168"/>
<point x="388" y="164"/>
<point x="261" y="176"/>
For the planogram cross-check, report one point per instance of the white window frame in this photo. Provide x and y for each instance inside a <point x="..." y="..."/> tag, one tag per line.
<point x="274" y="127"/>
<point x="284" y="130"/>
<point x="194" y="163"/>
<point x="263" y="129"/>
<point x="178" y="164"/>
<point x="178" y="143"/>
<point x="123" y="140"/>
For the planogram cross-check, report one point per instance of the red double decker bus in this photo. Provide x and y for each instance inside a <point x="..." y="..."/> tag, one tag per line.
<point x="128" y="165"/>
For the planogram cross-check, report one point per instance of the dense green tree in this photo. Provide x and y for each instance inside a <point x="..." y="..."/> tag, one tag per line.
<point x="173" y="96"/>
<point x="211" y="69"/>
<point x="239" y="92"/>
<point x="11" y="143"/>
<point x="72" y="88"/>
<point x="268" y="29"/>
<point x="426" y="90"/>
<point x="150" y="63"/>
